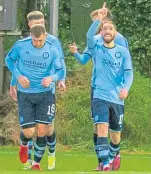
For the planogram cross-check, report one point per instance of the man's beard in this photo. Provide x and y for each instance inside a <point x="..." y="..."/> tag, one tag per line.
<point x="108" y="41"/>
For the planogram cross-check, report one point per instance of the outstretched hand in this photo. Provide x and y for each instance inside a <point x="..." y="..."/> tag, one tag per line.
<point x="73" y="48"/>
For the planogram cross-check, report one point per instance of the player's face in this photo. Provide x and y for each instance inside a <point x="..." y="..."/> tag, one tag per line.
<point x="38" y="42"/>
<point x="108" y="32"/>
<point x="38" y="21"/>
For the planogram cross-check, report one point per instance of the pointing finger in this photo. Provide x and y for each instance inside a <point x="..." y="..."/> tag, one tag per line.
<point x="104" y="5"/>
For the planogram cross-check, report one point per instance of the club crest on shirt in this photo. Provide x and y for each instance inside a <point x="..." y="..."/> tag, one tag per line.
<point x="21" y="119"/>
<point x="96" y="118"/>
<point x="45" y="55"/>
<point x="118" y="55"/>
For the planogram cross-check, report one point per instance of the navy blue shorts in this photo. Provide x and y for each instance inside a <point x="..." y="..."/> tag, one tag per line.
<point x="35" y="108"/>
<point x="107" y="112"/>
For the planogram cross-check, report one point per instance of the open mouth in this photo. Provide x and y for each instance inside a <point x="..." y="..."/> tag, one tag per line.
<point x="108" y="36"/>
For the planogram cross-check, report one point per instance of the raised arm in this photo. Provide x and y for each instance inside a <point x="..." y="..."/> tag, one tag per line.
<point x="91" y="42"/>
<point x="102" y="13"/>
<point x="82" y="58"/>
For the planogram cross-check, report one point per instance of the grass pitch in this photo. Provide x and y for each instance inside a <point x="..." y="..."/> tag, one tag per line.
<point x="73" y="162"/>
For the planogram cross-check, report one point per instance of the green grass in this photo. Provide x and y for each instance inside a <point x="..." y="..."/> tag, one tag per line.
<point x="73" y="162"/>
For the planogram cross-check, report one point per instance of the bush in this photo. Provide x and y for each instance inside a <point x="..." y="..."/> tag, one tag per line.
<point x="73" y="121"/>
<point x="137" y="112"/>
<point x="133" y="20"/>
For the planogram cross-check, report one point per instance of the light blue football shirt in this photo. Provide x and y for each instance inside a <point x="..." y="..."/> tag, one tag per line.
<point x="35" y="64"/>
<point x="86" y="56"/>
<point x="53" y="40"/>
<point x="110" y="66"/>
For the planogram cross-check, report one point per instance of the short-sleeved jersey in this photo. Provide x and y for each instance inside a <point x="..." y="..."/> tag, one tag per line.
<point x="108" y="71"/>
<point x="35" y="63"/>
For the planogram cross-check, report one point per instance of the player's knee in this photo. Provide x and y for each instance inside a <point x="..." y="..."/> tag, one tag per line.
<point x="115" y="141"/>
<point x="102" y="130"/>
<point x="115" y="138"/>
<point x="29" y="133"/>
<point x="42" y="130"/>
<point x="50" y="129"/>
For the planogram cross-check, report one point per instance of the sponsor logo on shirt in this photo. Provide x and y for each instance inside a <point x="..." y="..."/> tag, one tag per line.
<point x="111" y="63"/>
<point x="32" y="63"/>
<point x="27" y="52"/>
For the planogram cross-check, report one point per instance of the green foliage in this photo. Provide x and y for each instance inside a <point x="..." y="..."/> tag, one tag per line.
<point x="133" y="20"/>
<point x="73" y="123"/>
<point x="137" y="112"/>
<point x="64" y="32"/>
<point x="66" y="36"/>
<point x="64" y="20"/>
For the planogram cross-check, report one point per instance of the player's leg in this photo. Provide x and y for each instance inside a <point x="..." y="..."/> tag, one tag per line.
<point x="30" y="148"/>
<point x="114" y="150"/>
<point x="25" y="136"/>
<point x="39" y="146"/>
<point x="101" y="119"/>
<point x="116" y="125"/>
<point x="45" y="112"/>
<point x="51" y="135"/>
<point x="27" y="122"/>
<point x="98" y="168"/>
<point x="28" y="164"/>
<point x="51" y="143"/>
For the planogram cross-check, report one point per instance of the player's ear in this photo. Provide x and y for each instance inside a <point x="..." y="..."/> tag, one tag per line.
<point x="45" y="36"/>
<point x="29" y="24"/>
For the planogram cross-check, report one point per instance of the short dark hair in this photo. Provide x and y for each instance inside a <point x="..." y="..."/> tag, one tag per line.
<point x="37" y="30"/>
<point x="35" y="15"/>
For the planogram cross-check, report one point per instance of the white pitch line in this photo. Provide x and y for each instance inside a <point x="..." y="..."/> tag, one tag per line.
<point x="125" y="156"/>
<point x="87" y="155"/>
